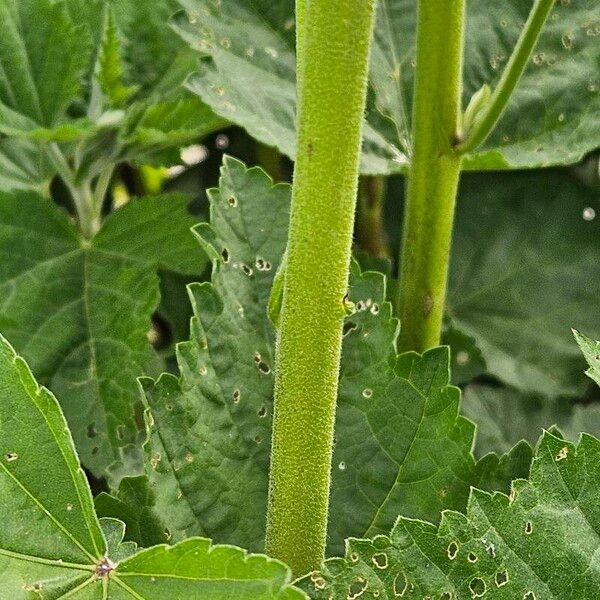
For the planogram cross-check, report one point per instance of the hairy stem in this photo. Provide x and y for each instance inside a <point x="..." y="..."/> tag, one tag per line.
<point x="369" y="232"/>
<point x="491" y="113"/>
<point x="433" y="175"/>
<point x="335" y="42"/>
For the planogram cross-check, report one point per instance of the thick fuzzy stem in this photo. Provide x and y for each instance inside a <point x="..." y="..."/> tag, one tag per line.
<point x="434" y="173"/>
<point x="335" y="37"/>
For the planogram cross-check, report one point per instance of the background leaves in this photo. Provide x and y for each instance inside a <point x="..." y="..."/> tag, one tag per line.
<point x="550" y="119"/>
<point x="89" y="343"/>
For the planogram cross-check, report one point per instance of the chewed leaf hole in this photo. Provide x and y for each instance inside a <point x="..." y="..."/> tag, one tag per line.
<point x="264" y="368"/>
<point x="477" y="587"/>
<point x="529" y="596"/>
<point x="562" y="454"/>
<point x="225" y="255"/>
<point x="357" y="588"/>
<point x="11" y="456"/>
<point x="472" y="557"/>
<point x="262" y="264"/>
<point x="528" y="528"/>
<point x="380" y="560"/>
<point x="318" y="580"/>
<point x="452" y="550"/>
<point x="349" y="327"/>
<point x="400" y="584"/>
<point x="501" y="578"/>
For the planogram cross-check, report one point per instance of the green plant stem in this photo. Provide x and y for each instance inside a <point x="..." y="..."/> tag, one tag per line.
<point x="86" y="206"/>
<point x="102" y="186"/>
<point x="433" y="175"/>
<point x="491" y="113"/>
<point x="336" y="38"/>
<point x="369" y="231"/>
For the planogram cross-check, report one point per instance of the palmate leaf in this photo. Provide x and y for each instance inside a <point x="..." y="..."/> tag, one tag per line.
<point x="550" y="119"/>
<point x="120" y="69"/>
<point x="400" y="444"/>
<point x="540" y="542"/>
<point x="51" y="542"/>
<point x="525" y="269"/>
<point x="79" y="312"/>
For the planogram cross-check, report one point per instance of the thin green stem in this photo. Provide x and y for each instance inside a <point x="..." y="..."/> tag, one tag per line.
<point x="88" y="213"/>
<point x="433" y="175"/>
<point x="336" y="37"/>
<point x="369" y="231"/>
<point x="88" y="204"/>
<point x="102" y="186"/>
<point x="488" y="118"/>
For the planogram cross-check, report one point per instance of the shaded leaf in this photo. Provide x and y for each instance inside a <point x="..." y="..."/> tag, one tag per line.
<point x="505" y="416"/>
<point x="525" y="269"/>
<point x="79" y="312"/>
<point x="540" y="542"/>
<point x="550" y="118"/>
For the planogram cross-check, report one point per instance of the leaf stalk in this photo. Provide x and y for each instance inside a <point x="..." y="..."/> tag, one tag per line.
<point x="490" y="115"/>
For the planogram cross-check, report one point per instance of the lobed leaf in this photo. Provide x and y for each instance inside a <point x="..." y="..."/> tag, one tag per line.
<point x="80" y="312"/>
<point x="539" y="542"/>
<point x="52" y="545"/>
<point x="400" y="444"/>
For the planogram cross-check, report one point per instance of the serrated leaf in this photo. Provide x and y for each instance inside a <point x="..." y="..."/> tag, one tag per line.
<point x="51" y="542"/>
<point x="504" y="416"/>
<point x="65" y="65"/>
<point x="111" y="71"/>
<point x="525" y="269"/>
<point x="37" y="37"/>
<point x="400" y="444"/>
<point x="538" y="543"/>
<point x="550" y="118"/>
<point x="80" y="312"/>
<point x="591" y="351"/>
<point x="134" y="506"/>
